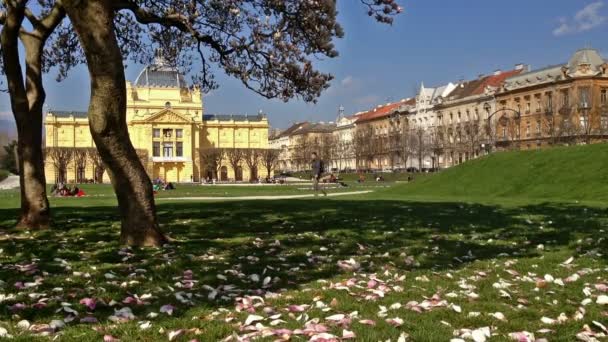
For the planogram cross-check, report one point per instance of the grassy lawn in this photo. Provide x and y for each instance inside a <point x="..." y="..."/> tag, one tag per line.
<point x="276" y="269"/>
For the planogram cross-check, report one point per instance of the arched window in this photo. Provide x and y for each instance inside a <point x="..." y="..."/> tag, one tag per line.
<point x="167" y="105"/>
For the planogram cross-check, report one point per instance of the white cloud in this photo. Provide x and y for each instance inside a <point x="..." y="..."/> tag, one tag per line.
<point x="586" y="19"/>
<point x="347" y="81"/>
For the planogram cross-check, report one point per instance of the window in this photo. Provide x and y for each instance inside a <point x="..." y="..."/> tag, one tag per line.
<point x="156" y="133"/>
<point x="528" y="107"/>
<point x="179" y="133"/>
<point x="167" y="133"/>
<point x="549" y="102"/>
<point x="504" y="132"/>
<point x="167" y="105"/>
<point x="583" y="120"/>
<point x="539" y="105"/>
<point x="565" y="98"/>
<point x="604" y="121"/>
<point x="168" y="149"/>
<point x="179" y="149"/>
<point x="156" y="149"/>
<point x="584" y="97"/>
<point x="604" y="96"/>
<point x="538" y="126"/>
<point x="528" y="129"/>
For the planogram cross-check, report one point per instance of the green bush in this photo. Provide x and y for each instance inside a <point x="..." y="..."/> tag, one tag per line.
<point x="4" y="174"/>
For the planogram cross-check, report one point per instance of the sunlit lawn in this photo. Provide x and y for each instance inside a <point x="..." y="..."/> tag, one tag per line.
<point x="425" y="269"/>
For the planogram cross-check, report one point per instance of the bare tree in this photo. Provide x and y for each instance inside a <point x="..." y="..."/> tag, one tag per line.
<point x="98" y="165"/>
<point x="60" y="158"/>
<point x="473" y="134"/>
<point x="211" y="160"/>
<point x="419" y="145"/>
<point x="301" y="151"/>
<point x="269" y="159"/>
<point x="80" y="163"/>
<point x="340" y="152"/>
<point x="325" y="147"/>
<point x="362" y="146"/>
<point x="252" y="159"/>
<point x="235" y="157"/>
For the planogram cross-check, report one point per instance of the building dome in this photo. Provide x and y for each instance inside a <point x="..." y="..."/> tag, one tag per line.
<point x="585" y="57"/>
<point x="160" y="74"/>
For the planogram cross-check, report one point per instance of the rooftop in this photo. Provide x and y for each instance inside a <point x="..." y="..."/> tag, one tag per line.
<point x="160" y="74"/>
<point x="67" y="114"/>
<point x="231" y="117"/>
<point x="384" y="110"/>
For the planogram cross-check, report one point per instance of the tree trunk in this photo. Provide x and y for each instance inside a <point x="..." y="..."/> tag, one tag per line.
<point x="26" y="105"/>
<point x="93" y="22"/>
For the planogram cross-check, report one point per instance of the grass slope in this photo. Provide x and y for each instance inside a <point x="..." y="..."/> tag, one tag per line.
<point x="559" y="174"/>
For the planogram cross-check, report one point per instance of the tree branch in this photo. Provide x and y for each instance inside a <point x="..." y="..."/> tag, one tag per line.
<point x="175" y="20"/>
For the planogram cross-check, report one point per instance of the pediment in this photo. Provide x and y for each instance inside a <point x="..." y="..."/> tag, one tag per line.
<point x="167" y="116"/>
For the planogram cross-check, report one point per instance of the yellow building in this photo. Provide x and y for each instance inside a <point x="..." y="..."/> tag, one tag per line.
<point x="167" y="126"/>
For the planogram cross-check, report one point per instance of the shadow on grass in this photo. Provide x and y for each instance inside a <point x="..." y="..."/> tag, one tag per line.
<point x="293" y="242"/>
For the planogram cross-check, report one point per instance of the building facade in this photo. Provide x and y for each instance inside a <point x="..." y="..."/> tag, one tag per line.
<point x="451" y="124"/>
<point x="167" y="127"/>
<point x="560" y="104"/>
<point x="462" y="118"/>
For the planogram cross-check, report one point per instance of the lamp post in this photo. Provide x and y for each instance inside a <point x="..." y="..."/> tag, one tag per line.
<point x="487" y="107"/>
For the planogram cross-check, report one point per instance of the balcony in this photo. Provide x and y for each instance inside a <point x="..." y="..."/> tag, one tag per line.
<point x="170" y="159"/>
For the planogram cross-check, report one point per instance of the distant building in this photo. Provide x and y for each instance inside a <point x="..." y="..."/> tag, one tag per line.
<point x="167" y="126"/>
<point x="561" y="104"/>
<point x="462" y="117"/>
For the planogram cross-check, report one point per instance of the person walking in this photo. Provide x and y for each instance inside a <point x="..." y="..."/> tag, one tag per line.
<point x="317" y="171"/>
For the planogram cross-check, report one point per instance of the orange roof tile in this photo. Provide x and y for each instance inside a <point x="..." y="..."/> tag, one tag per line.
<point x="494" y="81"/>
<point x="383" y="110"/>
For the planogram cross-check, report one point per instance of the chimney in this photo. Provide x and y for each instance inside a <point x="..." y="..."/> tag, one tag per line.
<point x="522" y="67"/>
<point x="497" y="72"/>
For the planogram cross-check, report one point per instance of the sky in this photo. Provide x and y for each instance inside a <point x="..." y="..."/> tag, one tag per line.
<point x="433" y="41"/>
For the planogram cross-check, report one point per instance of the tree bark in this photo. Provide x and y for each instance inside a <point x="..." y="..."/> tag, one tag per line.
<point x="93" y="22"/>
<point x="27" y="101"/>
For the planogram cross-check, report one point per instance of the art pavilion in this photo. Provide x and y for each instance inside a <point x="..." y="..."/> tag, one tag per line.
<point x="167" y="123"/>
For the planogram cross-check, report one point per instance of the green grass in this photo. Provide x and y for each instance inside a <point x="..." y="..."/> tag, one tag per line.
<point x="415" y="247"/>
<point x="559" y="174"/>
<point x="369" y="177"/>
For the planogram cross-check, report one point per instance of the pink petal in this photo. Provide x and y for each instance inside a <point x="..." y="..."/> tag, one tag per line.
<point x="90" y="303"/>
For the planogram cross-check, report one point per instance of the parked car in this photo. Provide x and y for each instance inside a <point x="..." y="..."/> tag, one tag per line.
<point x="412" y="169"/>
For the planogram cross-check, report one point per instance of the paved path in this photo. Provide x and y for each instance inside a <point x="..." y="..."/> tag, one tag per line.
<point x="11" y="182"/>
<point x="251" y="198"/>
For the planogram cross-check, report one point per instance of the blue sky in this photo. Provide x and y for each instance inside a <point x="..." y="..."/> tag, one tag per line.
<point x="433" y="41"/>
